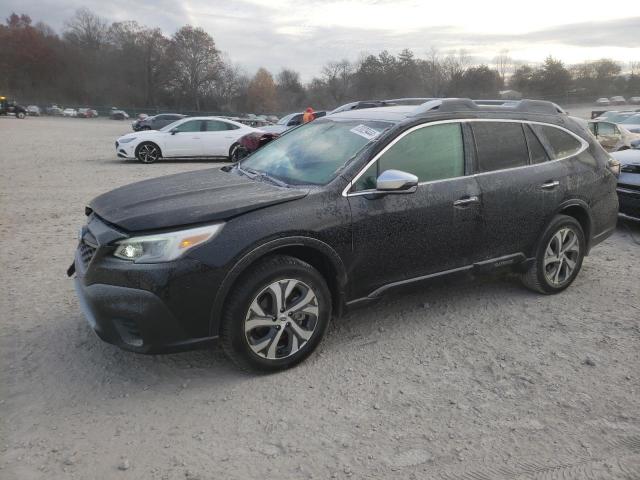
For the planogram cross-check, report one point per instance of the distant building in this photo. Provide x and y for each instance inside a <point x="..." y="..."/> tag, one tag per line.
<point x="510" y="95"/>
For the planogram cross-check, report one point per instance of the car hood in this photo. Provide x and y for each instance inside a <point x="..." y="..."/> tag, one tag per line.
<point x="188" y="198"/>
<point x="632" y="127"/>
<point x="627" y="157"/>
<point x="141" y="134"/>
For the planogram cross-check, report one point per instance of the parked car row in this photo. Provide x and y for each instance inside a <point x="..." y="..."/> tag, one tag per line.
<point x="617" y="100"/>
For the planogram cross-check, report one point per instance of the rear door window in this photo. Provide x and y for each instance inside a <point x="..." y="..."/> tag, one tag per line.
<point x="499" y="145"/>
<point x="218" y="126"/>
<point x="561" y="143"/>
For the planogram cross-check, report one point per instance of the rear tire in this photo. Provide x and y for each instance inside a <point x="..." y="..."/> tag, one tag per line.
<point x="148" y="152"/>
<point x="558" y="256"/>
<point x="276" y="316"/>
<point x="235" y="153"/>
<point x="20" y="115"/>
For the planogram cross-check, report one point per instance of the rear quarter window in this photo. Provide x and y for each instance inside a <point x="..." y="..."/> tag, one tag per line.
<point x="561" y="143"/>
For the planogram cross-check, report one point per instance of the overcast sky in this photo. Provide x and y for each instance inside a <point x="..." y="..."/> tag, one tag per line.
<point x="304" y="34"/>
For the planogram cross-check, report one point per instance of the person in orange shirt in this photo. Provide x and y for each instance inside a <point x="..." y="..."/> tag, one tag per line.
<point x="308" y="116"/>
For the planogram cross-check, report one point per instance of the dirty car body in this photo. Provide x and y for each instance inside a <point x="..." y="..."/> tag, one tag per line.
<point x="367" y="222"/>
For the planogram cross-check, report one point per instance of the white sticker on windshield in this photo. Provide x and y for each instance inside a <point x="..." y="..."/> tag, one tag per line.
<point x="366" y="132"/>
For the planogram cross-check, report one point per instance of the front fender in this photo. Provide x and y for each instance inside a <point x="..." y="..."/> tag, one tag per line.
<point x="261" y="251"/>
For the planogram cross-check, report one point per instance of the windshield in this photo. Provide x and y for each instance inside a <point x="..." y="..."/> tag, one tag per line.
<point x="616" y="117"/>
<point x="633" y="119"/>
<point x="313" y="153"/>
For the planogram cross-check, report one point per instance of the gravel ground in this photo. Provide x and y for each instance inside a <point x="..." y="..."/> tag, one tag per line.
<point x="461" y="379"/>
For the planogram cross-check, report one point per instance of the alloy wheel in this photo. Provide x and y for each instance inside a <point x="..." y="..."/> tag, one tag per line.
<point x="148" y="153"/>
<point x="281" y="319"/>
<point x="561" y="256"/>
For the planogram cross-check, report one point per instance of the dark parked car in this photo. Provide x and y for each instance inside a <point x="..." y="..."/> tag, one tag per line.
<point x="289" y="121"/>
<point x="156" y="122"/>
<point x="629" y="181"/>
<point x="337" y="213"/>
<point x="12" y="108"/>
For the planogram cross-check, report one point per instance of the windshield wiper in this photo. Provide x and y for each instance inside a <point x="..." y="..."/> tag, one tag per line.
<point x="263" y="175"/>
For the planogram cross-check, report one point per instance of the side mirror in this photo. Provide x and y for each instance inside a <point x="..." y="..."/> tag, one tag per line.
<point x="173" y="131"/>
<point x="396" y="181"/>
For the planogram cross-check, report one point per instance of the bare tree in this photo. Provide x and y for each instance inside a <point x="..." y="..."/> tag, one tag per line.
<point x="195" y="63"/>
<point x="503" y="63"/>
<point x="87" y="30"/>
<point x="338" y="77"/>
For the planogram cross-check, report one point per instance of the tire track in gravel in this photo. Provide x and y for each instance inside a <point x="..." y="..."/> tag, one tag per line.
<point x="620" y="461"/>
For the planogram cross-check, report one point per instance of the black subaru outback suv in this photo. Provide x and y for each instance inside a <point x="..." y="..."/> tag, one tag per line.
<point x="338" y="212"/>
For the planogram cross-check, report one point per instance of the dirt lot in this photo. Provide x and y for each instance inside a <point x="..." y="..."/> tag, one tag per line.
<point x="462" y="379"/>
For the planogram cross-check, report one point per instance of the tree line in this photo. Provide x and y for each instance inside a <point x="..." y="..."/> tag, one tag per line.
<point x="94" y="62"/>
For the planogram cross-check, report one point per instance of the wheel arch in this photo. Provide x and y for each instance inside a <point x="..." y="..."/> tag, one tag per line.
<point x="579" y="209"/>
<point x="232" y="147"/>
<point x="315" y="252"/>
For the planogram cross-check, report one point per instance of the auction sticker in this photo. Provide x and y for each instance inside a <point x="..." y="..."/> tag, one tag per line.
<point x="366" y="132"/>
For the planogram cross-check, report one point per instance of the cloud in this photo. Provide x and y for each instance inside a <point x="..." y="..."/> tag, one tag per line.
<point x="305" y="35"/>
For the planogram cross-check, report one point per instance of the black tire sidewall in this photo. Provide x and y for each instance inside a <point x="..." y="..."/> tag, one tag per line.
<point x="138" y="152"/>
<point x="249" y="286"/>
<point x="561" y="221"/>
<point x="233" y="152"/>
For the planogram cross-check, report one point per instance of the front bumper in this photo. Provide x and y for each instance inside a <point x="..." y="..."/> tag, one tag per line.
<point x="145" y="308"/>
<point x="125" y="150"/>
<point x="629" y="198"/>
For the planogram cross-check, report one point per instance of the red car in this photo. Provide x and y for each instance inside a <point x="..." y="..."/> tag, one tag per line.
<point x="251" y="142"/>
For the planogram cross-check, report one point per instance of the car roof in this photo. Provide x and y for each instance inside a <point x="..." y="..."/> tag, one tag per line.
<point x="395" y="113"/>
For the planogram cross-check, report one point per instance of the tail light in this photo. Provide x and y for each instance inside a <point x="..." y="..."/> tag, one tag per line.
<point x="614" y="166"/>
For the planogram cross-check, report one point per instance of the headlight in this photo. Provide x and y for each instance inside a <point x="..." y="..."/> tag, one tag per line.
<point x="127" y="140"/>
<point x="164" y="247"/>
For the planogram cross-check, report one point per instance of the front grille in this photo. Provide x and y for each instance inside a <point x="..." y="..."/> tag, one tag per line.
<point x="86" y="253"/>
<point x="628" y="188"/>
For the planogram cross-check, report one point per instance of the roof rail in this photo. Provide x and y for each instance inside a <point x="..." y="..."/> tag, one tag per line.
<point x="467" y="105"/>
<point x="409" y="100"/>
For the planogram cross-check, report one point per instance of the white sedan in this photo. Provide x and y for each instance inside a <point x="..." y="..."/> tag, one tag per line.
<point x="186" y="138"/>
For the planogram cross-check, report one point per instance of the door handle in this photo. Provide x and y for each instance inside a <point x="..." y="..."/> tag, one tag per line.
<point x="463" y="202"/>
<point x="550" y="185"/>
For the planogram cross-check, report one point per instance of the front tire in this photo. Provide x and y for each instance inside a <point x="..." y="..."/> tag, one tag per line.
<point x="276" y="316"/>
<point x="20" y="115"/>
<point x="559" y="256"/>
<point x="148" y="152"/>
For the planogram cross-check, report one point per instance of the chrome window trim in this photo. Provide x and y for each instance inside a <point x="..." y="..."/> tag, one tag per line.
<point x="584" y="146"/>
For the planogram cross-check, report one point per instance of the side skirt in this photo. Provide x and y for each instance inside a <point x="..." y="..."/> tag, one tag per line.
<point x="516" y="260"/>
